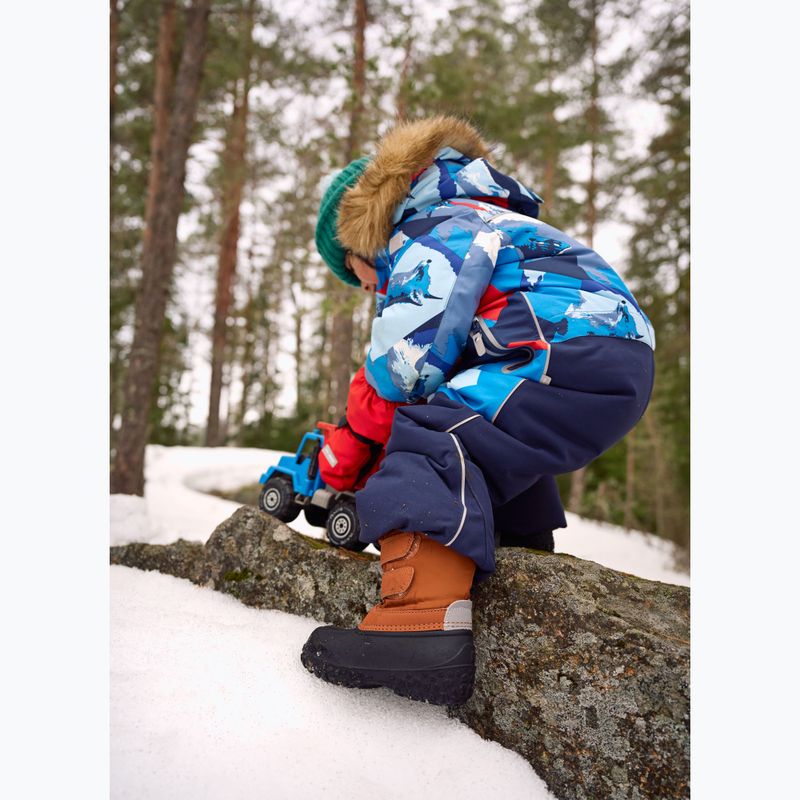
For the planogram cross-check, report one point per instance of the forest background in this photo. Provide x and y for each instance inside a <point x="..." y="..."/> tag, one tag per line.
<point x="225" y="116"/>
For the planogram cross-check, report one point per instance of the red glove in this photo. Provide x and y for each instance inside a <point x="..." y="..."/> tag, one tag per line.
<point x="354" y="450"/>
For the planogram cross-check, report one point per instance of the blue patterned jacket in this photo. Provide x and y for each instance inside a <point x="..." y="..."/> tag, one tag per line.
<point x="476" y="293"/>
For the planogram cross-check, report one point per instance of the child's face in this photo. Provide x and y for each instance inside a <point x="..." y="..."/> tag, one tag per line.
<point x="363" y="270"/>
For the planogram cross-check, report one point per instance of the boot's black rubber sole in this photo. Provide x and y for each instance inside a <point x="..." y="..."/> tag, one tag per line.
<point x="436" y="667"/>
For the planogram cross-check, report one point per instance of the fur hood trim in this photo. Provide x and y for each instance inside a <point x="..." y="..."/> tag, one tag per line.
<point x="365" y="213"/>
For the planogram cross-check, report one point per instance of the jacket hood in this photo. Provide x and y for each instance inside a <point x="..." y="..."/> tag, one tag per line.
<point x="420" y="164"/>
<point x="366" y="210"/>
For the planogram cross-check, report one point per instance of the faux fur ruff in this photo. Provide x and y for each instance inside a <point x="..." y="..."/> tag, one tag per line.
<point x="365" y="213"/>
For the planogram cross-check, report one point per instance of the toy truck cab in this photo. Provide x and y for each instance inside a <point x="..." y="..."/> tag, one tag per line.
<point x="300" y="469"/>
<point x="294" y="484"/>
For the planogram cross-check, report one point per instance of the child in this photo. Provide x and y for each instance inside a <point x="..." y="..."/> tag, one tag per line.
<point x="503" y="353"/>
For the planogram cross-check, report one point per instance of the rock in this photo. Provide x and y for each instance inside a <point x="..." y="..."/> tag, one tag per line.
<point x="582" y="670"/>
<point x="184" y="559"/>
<point x="265" y="564"/>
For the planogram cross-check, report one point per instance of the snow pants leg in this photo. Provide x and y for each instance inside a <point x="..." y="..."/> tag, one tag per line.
<point x="534" y="510"/>
<point x="448" y="470"/>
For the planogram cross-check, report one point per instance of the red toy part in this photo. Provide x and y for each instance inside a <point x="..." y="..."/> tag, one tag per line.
<point x="326" y="427"/>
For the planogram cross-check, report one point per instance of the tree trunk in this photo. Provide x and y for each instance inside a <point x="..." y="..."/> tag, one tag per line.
<point x="578" y="483"/>
<point x="341" y="347"/>
<point x="299" y="356"/>
<point x="113" y="35"/>
<point x="225" y="419"/>
<point x="341" y="341"/>
<point x="161" y="109"/>
<point x="630" y="473"/>
<point x="550" y="158"/>
<point x="594" y="134"/>
<point x="355" y="138"/>
<point x="659" y="476"/>
<point x="246" y="361"/>
<point x="158" y="261"/>
<point x="266" y="400"/>
<point x="234" y="176"/>
<point x="161" y="103"/>
<point x="325" y="360"/>
<point x="267" y="387"/>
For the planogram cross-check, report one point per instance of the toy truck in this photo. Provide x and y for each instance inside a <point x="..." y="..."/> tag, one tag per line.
<point x="294" y="484"/>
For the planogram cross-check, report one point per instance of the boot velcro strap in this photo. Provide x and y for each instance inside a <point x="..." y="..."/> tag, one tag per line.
<point x="396" y="546"/>
<point x="396" y="581"/>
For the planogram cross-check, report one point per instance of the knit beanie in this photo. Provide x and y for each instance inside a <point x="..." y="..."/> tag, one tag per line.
<point x="327" y="244"/>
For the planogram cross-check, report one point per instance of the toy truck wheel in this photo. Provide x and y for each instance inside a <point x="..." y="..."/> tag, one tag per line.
<point x="343" y="527"/>
<point x="316" y="516"/>
<point x="277" y="499"/>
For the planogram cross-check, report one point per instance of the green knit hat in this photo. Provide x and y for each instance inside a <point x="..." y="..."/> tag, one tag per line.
<point x="327" y="244"/>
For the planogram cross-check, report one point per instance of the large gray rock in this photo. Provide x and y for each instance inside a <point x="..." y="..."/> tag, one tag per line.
<point x="582" y="670"/>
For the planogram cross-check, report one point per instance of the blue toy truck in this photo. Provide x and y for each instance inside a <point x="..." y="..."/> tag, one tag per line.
<point x="294" y="484"/>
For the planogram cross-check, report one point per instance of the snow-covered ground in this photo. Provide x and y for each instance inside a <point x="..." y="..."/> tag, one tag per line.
<point x="209" y="699"/>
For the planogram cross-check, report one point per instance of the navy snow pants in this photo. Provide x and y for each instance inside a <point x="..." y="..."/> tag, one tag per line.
<point x="453" y="475"/>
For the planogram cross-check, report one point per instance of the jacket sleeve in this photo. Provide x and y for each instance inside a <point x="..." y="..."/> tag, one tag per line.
<point x="434" y="287"/>
<point x="353" y="451"/>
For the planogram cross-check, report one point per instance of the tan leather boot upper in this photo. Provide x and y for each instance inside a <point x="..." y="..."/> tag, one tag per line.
<point x="425" y="586"/>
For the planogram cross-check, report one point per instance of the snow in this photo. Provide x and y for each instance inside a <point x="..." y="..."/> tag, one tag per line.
<point x="130" y="519"/>
<point x="209" y="699"/>
<point x="634" y="552"/>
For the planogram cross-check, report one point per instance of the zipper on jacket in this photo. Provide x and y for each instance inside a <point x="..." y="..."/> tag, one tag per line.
<point x="477" y="339"/>
<point x="481" y="334"/>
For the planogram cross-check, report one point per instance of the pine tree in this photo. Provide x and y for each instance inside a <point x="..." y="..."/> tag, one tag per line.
<point x="340" y="352"/>
<point x="578" y="29"/>
<point x="234" y="174"/>
<point x="465" y="68"/>
<point x="113" y="31"/>
<point x="659" y="267"/>
<point x="158" y="260"/>
<point x="502" y="71"/>
<point x="162" y="100"/>
<point x="131" y="129"/>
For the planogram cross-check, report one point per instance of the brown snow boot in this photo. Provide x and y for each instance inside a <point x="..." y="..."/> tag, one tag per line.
<point x="418" y="640"/>
<point x="425" y="586"/>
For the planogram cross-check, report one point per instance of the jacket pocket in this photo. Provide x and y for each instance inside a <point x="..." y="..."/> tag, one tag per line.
<point x="516" y="339"/>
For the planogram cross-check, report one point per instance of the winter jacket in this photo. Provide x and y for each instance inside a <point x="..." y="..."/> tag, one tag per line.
<point x="475" y="292"/>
